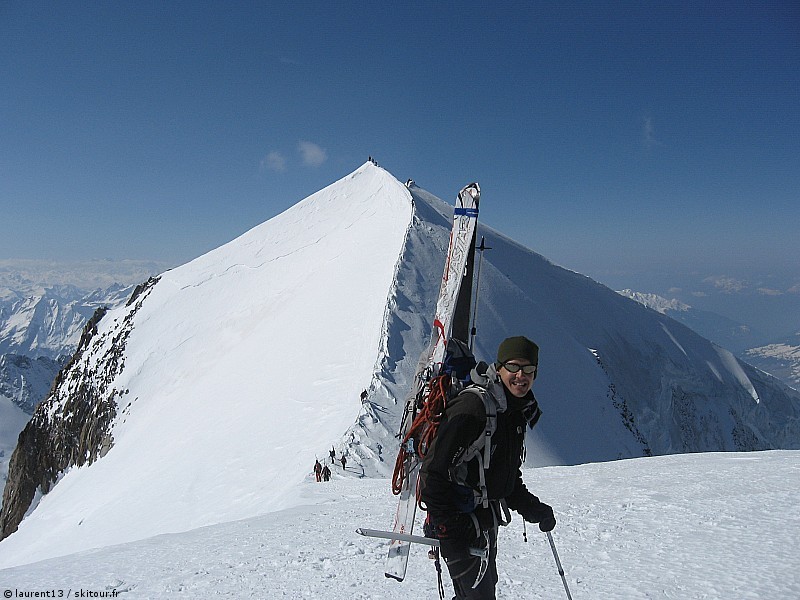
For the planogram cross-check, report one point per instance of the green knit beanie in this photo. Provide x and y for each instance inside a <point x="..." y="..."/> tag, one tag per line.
<point x="518" y="347"/>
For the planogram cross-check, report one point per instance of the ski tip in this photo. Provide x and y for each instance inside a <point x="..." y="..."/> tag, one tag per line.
<point x="392" y="576"/>
<point x="473" y="189"/>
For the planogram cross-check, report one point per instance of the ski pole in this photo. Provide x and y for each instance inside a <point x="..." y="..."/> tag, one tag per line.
<point x="474" y="329"/>
<point x="558" y="564"/>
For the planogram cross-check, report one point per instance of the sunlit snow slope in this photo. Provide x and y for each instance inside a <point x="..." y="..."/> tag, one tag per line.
<point x="242" y="365"/>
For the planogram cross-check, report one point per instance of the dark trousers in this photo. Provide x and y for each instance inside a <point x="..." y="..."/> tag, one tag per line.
<point x="464" y="568"/>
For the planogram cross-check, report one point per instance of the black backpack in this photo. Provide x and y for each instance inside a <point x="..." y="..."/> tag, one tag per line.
<point x="430" y="404"/>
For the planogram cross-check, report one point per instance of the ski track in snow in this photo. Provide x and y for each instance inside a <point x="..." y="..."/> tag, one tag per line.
<point x="695" y="526"/>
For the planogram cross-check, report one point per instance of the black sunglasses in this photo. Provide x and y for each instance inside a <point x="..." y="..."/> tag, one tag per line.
<point x="513" y="368"/>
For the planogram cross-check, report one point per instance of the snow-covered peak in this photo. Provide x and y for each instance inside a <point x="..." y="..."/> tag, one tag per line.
<point x="655" y="302"/>
<point x="241" y="367"/>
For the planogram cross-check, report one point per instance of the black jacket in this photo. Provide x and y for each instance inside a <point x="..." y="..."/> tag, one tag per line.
<point x="464" y="421"/>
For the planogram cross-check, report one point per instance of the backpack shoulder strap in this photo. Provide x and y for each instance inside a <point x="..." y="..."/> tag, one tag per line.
<point x="483" y="441"/>
<point x="490" y="408"/>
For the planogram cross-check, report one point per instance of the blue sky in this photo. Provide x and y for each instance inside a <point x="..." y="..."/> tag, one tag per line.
<point x="619" y="139"/>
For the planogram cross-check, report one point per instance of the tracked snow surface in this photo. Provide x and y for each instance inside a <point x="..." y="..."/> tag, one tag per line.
<point x="685" y="527"/>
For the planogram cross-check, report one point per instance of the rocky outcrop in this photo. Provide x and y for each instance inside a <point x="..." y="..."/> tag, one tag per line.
<point x="72" y="426"/>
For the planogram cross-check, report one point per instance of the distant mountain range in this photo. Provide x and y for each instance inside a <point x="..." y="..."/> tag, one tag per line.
<point x="780" y="358"/>
<point x="49" y="322"/>
<point x="39" y="331"/>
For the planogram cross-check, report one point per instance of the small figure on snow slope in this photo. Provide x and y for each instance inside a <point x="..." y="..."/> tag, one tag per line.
<point x="467" y="499"/>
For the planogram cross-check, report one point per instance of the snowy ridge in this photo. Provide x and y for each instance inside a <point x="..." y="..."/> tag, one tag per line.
<point x="371" y="439"/>
<point x="408" y="312"/>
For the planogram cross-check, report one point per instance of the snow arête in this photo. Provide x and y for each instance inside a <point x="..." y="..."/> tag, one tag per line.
<point x="452" y="317"/>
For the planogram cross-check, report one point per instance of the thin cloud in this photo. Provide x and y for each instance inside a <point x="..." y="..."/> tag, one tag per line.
<point x="649" y="139"/>
<point x="769" y="292"/>
<point x="313" y="155"/>
<point x="274" y="161"/>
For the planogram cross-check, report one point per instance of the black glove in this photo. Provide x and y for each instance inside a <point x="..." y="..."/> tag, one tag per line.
<point x="540" y="513"/>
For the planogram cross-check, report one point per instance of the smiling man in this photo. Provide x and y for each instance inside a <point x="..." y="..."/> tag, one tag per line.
<point x="467" y="486"/>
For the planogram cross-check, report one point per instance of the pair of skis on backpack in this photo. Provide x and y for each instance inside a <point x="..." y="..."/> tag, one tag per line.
<point x="452" y="307"/>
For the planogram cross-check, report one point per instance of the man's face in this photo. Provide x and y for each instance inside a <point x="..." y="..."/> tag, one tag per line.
<point x="518" y="383"/>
